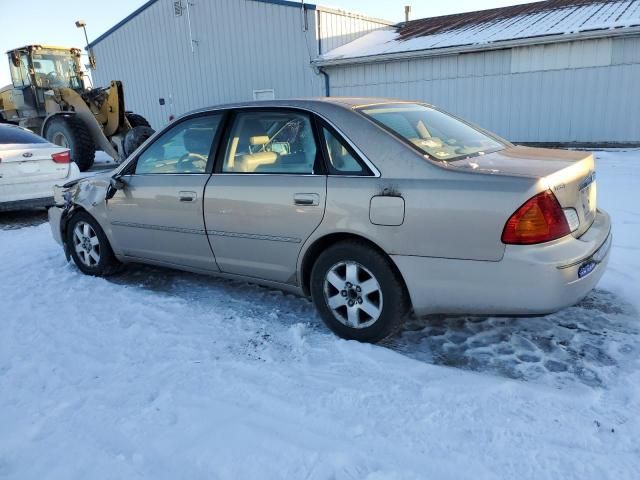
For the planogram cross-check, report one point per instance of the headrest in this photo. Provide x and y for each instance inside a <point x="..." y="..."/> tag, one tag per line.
<point x="198" y="140"/>
<point x="258" y="140"/>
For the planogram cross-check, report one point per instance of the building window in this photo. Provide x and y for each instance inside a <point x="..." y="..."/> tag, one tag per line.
<point x="264" y="94"/>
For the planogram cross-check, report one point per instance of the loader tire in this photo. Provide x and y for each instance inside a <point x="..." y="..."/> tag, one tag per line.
<point x="71" y="132"/>
<point x="136" y="120"/>
<point x="136" y="137"/>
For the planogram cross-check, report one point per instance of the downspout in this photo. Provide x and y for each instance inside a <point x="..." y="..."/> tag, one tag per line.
<point x="327" y="85"/>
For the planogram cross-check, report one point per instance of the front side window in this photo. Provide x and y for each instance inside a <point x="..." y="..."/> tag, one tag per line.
<point x="434" y="133"/>
<point x="16" y="72"/>
<point x="271" y="142"/>
<point x="184" y="148"/>
<point x="20" y="72"/>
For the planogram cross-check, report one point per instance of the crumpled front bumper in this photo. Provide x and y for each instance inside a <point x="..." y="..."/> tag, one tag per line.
<point x="55" y="220"/>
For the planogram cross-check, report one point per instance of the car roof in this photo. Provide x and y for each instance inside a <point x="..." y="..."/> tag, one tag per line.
<point x="348" y="103"/>
<point x="13" y="125"/>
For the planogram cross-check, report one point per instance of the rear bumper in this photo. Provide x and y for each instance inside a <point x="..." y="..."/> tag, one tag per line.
<point x="26" y="204"/>
<point x="530" y="279"/>
<point x="23" y="196"/>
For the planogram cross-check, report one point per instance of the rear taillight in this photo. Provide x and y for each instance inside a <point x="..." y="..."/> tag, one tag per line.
<point x="62" y="157"/>
<point x="539" y="220"/>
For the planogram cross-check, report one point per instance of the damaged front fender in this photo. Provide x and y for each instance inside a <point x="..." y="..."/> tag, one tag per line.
<point x="88" y="194"/>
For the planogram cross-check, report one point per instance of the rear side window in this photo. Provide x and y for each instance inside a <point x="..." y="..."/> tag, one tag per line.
<point x="341" y="158"/>
<point x="12" y="134"/>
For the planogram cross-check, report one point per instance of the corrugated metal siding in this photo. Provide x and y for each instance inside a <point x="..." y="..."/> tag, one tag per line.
<point x="241" y="46"/>
<point x="568" y="93"/>
<point x="556" y="56"/>
<point x="337" y="28"/>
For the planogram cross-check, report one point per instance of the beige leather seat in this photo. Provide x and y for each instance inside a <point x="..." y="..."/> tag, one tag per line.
<point x="249" y="162"/>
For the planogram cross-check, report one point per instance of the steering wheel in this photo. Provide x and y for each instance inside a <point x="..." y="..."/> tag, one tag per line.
<point x="187" y="163"/>
<point x="53" y="78"/>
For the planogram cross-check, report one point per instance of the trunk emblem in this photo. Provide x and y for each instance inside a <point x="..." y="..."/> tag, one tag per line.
<point x="587" y="181"/>
<point x="27" y="154"/>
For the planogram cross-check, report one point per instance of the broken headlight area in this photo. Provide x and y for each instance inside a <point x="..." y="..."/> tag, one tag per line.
<point x="62" y="194"/>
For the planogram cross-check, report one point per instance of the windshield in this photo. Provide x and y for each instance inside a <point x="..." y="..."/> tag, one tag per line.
<point x="436" y="134"/>
<point x="55" y="69"/>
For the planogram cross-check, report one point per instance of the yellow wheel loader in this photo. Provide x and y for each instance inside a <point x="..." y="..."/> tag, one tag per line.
<point x="49" y="97"/>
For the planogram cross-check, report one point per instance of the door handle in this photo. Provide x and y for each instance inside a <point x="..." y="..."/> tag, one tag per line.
<point x="306" y="199"/>
<point x="187" y="196"/>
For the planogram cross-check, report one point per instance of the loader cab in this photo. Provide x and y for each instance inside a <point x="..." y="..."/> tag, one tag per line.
<point x="36" y="69"/>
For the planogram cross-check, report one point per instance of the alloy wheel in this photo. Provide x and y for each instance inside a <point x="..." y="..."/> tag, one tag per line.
<point x="87" y="244"/>
<point x="353" y="294"/>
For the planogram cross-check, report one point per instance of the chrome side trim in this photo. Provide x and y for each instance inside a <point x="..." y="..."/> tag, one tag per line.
<point x="198" y="231"/>
<point x="195" y="231"/>
<point x="167" y="174"/>
<point x="254" y="236"/>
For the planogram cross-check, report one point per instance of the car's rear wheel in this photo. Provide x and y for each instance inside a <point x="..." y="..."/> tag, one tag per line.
<point x="89" y="246"/>
<point x="358" y="293"/>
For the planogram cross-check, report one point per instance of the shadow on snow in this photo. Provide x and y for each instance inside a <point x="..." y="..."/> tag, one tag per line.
<point x="588" y="343"/>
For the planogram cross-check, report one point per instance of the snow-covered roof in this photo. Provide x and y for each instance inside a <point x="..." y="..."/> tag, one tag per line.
<point x="531" y="20"/>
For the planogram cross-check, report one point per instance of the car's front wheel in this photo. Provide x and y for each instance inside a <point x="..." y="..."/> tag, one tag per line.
<point x="89" y="246"/>
<point x="358" y="293"/>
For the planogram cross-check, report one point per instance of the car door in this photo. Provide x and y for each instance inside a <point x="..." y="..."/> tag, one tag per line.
<point x="158" y="215"/>
<point x="267" y="193"/>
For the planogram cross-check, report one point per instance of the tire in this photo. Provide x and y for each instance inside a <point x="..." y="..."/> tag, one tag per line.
<point x="106" y="263"/>
<point x="136" y="120"/>
<point x="71" y="132"/>
<point x="136" y="137"/>
<point x="389" y="303"/>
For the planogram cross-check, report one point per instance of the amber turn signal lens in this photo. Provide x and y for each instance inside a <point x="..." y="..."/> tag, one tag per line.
<point x="539" y="220"/>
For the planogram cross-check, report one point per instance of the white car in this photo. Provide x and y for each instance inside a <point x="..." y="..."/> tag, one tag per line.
<point x="30" y="167"/>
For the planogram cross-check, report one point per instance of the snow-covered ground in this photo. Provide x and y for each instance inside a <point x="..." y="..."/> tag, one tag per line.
<point x="163" y="375"/>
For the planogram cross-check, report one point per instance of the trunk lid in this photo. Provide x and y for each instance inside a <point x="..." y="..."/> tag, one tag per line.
<point x="570" y="175"/>
<point x="29" y="163"/>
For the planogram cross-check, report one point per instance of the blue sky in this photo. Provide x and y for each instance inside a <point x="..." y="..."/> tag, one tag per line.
<point x="53" y="22"/>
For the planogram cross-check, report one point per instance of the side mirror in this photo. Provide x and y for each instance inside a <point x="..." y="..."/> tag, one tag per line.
<point x="115" y="184"/>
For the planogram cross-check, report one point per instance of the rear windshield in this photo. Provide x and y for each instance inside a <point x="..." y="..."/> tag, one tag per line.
<point x="13" y="134"/>
<point x="434" y="133"/>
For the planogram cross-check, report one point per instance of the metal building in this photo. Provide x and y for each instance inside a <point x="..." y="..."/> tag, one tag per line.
<point x="177" y="55"/>
<point x="557" y="71"/>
